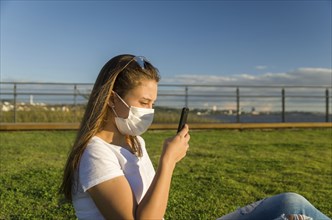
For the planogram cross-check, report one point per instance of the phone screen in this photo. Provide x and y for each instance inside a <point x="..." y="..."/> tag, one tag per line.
<point x="183" y="118"/>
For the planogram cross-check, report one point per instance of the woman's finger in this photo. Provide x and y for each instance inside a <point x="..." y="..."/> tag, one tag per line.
<point x="184" y="131"/>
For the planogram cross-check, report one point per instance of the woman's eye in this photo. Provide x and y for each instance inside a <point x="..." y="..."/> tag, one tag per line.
<point x="147" y="103"/>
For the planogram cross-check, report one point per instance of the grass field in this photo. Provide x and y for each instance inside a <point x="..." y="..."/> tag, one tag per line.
<point x="224" y="169"/>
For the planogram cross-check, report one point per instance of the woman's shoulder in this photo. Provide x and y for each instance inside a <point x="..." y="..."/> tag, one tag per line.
<point x="96" y="141"/>
<point x="98" y="146"/>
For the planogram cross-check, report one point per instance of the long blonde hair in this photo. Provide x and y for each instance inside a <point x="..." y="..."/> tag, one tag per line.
<point x="120" y="74"/>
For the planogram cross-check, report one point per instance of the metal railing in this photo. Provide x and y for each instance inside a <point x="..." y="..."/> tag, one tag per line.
<point x="234" y="101"/>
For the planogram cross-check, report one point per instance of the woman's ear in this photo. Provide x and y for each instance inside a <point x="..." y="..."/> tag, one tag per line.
<point x="119" y="106"/>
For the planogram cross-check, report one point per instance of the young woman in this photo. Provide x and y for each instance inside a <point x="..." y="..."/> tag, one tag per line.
<point x="108" y="174"/>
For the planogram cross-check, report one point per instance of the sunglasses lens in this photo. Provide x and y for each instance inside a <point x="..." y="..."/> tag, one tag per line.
<point x="140" y="61"/>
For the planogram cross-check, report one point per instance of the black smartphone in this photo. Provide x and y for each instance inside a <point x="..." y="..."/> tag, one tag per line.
<point x="183" y="118"/>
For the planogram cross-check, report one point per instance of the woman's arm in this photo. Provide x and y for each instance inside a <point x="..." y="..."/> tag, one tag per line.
<point x="154" y="203"/>
<point x="115" y="199"/>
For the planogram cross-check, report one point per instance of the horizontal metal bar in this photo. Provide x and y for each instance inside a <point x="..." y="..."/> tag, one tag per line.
<point x="185" y="85"/>
<point x="156" y="126"/>
<point x="45" y="83"/>
<point x="39" y="93"/>
<point x="172" y="94"/>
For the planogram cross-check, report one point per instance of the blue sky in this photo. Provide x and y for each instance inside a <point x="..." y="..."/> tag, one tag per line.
<point x="218" y="42"/>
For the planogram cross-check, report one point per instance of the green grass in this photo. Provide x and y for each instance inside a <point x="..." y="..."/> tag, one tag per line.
<point x="224" y="169"/>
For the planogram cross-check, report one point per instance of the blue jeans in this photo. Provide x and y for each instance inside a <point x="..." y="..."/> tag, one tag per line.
<point x="274" y="207"/>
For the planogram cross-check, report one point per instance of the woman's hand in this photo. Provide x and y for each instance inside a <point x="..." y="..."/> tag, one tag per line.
<point x="175" y="148"/>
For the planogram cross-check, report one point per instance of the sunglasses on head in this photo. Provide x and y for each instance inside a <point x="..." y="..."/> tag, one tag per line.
<point x="141" y="61"/>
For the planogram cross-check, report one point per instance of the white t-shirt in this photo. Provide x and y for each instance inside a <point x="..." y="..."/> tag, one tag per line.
<point x="102" y="161"/>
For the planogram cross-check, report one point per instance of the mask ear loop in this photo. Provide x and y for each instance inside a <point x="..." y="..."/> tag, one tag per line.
<point x="112" y="107"/>
<point x="121" y="99"/>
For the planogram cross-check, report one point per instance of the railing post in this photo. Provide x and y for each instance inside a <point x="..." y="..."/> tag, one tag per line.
<point x="15" y="109"/>
<point x="283" y="105"/>
<point x="327" y="105"/>
<point x="75" y="102"/>
<point x="237" y="105"/>
<point x="186" y="96"/>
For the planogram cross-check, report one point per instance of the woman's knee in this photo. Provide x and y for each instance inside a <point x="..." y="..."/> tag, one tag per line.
<point x="291" y="197"/>
<point x="293" y="201"/>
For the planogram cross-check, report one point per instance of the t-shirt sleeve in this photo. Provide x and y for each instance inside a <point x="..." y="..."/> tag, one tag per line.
<point x="98" y="164"/>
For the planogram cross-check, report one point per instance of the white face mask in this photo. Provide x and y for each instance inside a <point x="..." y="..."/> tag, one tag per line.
<point x="138" y="121"/>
